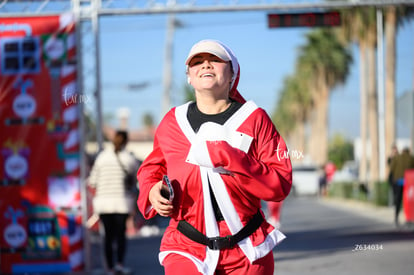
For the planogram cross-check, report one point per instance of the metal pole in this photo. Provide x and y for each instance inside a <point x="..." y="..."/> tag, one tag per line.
<point x="80" y="91"/>
<point x="167" y="82"/>
<point x="412" y="119"/>
<point x="96" y="4"/>
<point x="412" y="122"/>
<point x="380" y="73"/>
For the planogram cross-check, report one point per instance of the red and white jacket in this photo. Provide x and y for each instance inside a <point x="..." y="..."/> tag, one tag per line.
<point x="245" y="161"/>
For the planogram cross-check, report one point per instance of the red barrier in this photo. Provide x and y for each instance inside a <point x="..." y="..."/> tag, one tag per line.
<point x="408" y="195"/>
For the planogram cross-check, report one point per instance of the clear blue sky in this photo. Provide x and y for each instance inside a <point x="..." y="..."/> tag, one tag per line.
<point x="132" y="51"/>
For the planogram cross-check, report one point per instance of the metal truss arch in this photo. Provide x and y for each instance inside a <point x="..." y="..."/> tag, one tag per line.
<point x="86" y="8"/>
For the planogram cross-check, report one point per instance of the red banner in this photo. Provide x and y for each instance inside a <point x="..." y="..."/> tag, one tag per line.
<point x="40" y="206"/>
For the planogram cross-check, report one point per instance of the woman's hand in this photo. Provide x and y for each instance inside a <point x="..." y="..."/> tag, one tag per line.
<point x="162" y="205"/>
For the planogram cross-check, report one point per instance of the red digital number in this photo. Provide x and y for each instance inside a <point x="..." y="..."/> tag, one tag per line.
<point x="308" y="19"/>
<point x="332" y="19"/>
<point x="274" y="20"/>
<point x="287" y="20"/>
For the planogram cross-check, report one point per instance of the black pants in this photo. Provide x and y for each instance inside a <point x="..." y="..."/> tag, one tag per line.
<point x="115" y="231"/>
<point x="398" y="195"/>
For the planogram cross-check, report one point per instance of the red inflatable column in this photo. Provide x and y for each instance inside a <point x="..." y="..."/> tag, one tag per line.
<point x="408" y="195"/>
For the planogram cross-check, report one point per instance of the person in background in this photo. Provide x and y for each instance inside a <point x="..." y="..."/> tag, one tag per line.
<point x="113" y="200"/>
<point x="275" y="211"/>
<point x="323" y="182"/>
<point x="220" y="154"/>
<point x="330" y="169"/>
<point x="394" y="153"/>
<point x="399" y="165"/>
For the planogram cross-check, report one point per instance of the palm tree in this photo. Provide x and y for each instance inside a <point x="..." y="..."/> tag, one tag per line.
<point x="352" y="30"/>
<point x="390" y="36"/>
<point x="394" y="16"/>
<point x="359" y="26"/>
<point x="292" y="111"/>
<point x="371" y="42"/>
<point x="283" y="117"/>
<point x="188" y="93"/>
<point x="327" y="61"/>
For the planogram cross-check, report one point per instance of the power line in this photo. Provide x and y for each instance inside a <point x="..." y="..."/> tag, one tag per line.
<point x="130" y="28"/>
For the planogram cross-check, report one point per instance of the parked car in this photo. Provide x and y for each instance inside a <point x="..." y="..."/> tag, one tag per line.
<point x="305" y="180"/>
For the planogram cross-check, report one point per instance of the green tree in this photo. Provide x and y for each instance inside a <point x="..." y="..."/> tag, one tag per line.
<point x="148" y="120"/>
<point x="340" y="150"/>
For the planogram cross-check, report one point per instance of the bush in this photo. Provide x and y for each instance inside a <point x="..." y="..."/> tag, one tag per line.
<point x="351" y="190"/>
<point x="341" y="190"/>
<point x="381" y="190"/>
<point x="348" y="190"/>
<point x="361" y="192"/>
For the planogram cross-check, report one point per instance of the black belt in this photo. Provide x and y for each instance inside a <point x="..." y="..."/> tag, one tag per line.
<point x="218" y="243"/>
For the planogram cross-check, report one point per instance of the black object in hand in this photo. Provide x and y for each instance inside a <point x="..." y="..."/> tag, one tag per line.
<point x="167" y="193"/>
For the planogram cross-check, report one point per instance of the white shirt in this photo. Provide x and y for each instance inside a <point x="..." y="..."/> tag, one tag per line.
<point x="107" y="176"/>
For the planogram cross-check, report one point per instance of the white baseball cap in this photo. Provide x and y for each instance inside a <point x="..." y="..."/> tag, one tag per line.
<point x="208" y="46"/>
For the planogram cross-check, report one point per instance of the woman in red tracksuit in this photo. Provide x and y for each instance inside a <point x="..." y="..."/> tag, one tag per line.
<point x="223" y="156"/>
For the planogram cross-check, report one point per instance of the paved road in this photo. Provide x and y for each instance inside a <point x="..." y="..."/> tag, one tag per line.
<point x="323" y="237"/>
<point x="141" y="258"/>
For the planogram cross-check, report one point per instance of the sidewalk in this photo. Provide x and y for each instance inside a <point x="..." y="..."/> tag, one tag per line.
<point x="382" y="213"/>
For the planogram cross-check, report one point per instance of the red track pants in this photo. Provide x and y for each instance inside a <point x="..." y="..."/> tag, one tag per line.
<point x="231" y="261"/>
<point x="275" y="209"/>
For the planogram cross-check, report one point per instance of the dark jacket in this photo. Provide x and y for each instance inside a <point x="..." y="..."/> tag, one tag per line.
<point x="400" y="164"/>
